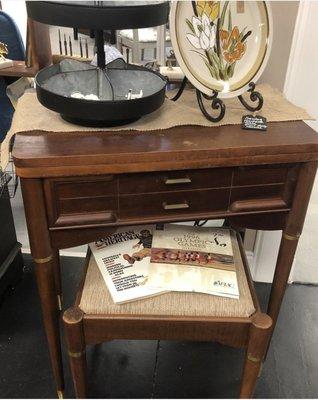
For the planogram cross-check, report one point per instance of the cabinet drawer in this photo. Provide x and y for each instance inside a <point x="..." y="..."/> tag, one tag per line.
<point x="100" y="200"/>
<point x="258" y="198"/>
<point x="87" y="205"/>
<point x="263" y="188"/>
<point x="175" y="180"/>
<point x="173" y="203"/>
<point x="89" y="187"/>
<point x="257" y="175"/>
<point x="81" y="201"/>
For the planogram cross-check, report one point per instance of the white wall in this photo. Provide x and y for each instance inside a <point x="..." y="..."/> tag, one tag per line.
<point x="301" y="88"/>
<point x="284" y="18"/>
<point x="16" y="9"/>
<point x="301" y="84"/>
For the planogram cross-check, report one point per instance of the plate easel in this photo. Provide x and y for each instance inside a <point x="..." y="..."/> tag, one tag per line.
<point x="218" y="105"/>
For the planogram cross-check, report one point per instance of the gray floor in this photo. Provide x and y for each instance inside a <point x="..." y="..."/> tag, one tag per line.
<point x="152" y="369"/>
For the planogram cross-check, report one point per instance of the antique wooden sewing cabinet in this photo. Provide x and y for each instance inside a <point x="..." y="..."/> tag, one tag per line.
<point x="78" y="186"/>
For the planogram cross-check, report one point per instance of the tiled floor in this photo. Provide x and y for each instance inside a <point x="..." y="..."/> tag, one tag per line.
<point x="152" y="369"/>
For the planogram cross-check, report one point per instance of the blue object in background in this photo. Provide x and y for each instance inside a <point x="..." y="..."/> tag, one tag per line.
<point x="10" y="35"/>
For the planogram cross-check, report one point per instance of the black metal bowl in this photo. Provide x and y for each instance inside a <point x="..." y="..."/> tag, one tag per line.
<point x="100" y="14"/>
<point x="56" y="84"/>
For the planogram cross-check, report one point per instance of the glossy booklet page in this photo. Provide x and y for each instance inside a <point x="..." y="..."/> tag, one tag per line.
<point x="123" y="259"/>
<point x="194" y="259"/>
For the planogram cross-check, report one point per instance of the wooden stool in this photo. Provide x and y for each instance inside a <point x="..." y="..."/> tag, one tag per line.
<point x="171" y="316"/>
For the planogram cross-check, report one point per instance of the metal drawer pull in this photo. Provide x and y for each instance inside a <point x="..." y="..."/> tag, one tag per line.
<point x="177" y="181"/>
<point x="176" y="206"/>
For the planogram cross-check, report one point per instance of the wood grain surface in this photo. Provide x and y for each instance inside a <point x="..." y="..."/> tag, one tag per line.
<point x="39" y="154"/>
<point x="78" y="187"/>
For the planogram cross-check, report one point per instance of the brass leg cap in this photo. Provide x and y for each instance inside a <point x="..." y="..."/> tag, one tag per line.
<point x="260" y="370"/>
<point x="60" y="394"/>
<point x="60" y="302"/>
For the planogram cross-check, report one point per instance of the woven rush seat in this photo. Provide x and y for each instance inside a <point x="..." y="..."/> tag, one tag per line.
<point x="96" y="298"/>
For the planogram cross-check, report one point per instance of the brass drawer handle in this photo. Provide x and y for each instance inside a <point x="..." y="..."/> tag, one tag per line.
<point x="176" y="181"/>
<point x="177" y="206"/>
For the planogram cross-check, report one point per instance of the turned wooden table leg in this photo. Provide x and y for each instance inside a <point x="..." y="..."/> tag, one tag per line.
<point x="73" y="327"/>
<point x="291" y="234"/>
<point x="259" y="336"/>
<point x="287" y="249"/>
<point x="44" y="267"/>
<point x="51" y="315"/>
<point x="57" y="277"/>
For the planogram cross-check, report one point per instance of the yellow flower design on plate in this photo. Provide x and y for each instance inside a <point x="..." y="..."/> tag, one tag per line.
<point x="210" y="8"/>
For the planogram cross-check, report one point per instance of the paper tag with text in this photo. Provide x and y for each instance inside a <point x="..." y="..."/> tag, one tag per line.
<point x="254" y="123"/>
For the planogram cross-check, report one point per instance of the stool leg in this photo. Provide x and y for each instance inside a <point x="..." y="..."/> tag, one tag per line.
<point x="260" y="332"/>
<point x="73" y="326"/>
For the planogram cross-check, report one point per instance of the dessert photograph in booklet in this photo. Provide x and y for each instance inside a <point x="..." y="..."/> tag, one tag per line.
<point x="158" y="199"/>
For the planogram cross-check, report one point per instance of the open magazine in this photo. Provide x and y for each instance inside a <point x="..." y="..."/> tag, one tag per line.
<point x="123" y="259"/>
<point x="196" y="259"/>
<point x="144" y="261"/>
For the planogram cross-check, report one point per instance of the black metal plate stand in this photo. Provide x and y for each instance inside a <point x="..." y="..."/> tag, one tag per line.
<point x="218" y="104"/>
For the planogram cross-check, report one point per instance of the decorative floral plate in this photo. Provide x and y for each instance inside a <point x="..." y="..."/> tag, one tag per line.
<point x="221" y="45"/>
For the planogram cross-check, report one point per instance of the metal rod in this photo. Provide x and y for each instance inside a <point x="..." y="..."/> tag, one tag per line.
<point x="217" y="104"/>
<point x="180" y="90"/>
<point x="81" y="47"/>
<point x="113" y="37"/>
<point x="86" y="48"/>
<point x="99" y="37"/>
<point x="70" y="45"/>
<point x="99" y="82"/>
<point x="60" y="42"/>
<point x="255" y="97"/>
<point x="110" y="84"/>
<point x="65" y="44"/>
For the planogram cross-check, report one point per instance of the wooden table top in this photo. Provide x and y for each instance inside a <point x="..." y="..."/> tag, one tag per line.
<point x="19" y="69"/>
<point x="39" y="154"/>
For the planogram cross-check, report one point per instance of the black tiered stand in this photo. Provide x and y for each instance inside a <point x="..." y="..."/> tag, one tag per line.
<point x="56" y="84"/>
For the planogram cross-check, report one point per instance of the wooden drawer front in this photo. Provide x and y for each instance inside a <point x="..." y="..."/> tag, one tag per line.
<point x="257" y="175"/>
<point x="173" y="203"/>
<point x="87" y="205"/>
<point x="175" y="180"/>
<point x="263" y="188"/>
<point x="258" y="198"/>
<point x="81" y="201"/>
<point x="86" y="188"/>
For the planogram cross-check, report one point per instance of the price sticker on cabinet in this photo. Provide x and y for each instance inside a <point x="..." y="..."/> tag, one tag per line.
<point x="254" y="123"/>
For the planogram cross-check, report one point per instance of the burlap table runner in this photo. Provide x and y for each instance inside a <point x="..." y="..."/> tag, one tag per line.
<point x="30" y="115"/>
